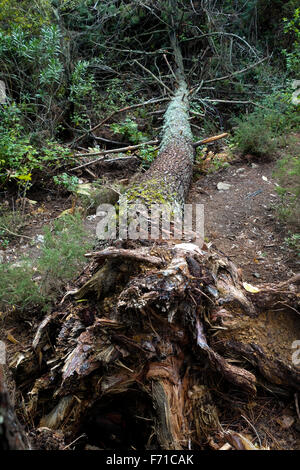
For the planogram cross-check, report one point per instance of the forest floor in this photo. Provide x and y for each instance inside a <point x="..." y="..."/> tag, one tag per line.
<point x="241" y="223"/>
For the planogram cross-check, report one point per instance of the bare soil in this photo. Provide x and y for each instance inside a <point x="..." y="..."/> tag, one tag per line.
<point x="241" y="222"/>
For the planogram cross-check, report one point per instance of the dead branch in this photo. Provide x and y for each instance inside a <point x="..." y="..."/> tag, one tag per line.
<point x="105" y="152"/>
<point x="210" y="139"/>
<point x="238" y="72"/>
<point x="155" y="78"/>
<point x="127" y="108"/>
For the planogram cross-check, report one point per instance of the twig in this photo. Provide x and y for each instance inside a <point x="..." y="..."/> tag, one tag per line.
<point x="155" y="78"/>
<point x="234" y="102"/>
<point x="252" y="426"/>
<point x="139" y="105"/>
<point x="170" y="68"/>
<point x="237" y="72"/>
<point x="15" y="234"/>
<point x="297" y="404"/>
<point x="73" y="442"/>
<point x="210" y="139"/>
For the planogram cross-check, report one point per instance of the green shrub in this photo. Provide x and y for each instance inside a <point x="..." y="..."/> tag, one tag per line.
<point x="28" y="284"/>
<point x="257" y="133"/>
<point x="22" y="153"/>
<point x="254" y="136"/>
<point x="63" y="250"/>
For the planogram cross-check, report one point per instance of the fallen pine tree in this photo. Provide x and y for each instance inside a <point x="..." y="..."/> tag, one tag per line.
<point x="131" y="358"/>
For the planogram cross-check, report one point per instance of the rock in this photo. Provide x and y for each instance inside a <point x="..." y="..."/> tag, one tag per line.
<point x="257" y="275"/>
<point x="223" y="186"/>
<point x="254" y="165"/>
<point x="39" y="239"/>
<point x="1" y="256"/>
<point x="239" y="170"/>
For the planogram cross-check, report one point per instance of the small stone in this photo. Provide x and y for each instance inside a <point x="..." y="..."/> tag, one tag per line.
<point x="223" y="186"/>
<point x="256" y="275"/>
<point x="254" y="165"/>
<point x="39" y="239"/>
<point x="239" y="170"/>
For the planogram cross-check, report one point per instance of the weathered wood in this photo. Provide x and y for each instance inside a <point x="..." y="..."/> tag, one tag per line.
<point x="12" y="435"/>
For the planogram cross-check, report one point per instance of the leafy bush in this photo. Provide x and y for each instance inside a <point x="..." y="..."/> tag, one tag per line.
<point x="253" y="136"/>
<point x="19" y="154"/>
<point x="292" y="27"/>
<point x="17" y="287"/>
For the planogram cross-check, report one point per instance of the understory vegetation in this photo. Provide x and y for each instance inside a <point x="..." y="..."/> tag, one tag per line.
<point x="30" y="284"/>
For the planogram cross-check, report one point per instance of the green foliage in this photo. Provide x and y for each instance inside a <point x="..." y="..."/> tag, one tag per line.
<point x="288" y="175"/>
<point x="292" y="27"/>
<point x="67" y="181"/>
<point x="129" y="129"/>
<point x="35" y="284"/>
<point x="293" y="242"/>
<point x="17" y="287"/>
<point x="257" y="133"/>
<point x="63" y="252"/>
<point x="253" y="136"/>
<point x="148" y="153"/>
<point x="20" y="156"/>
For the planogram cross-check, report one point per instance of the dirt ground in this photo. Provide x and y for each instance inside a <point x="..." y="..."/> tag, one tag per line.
<point x="241" y="222"/>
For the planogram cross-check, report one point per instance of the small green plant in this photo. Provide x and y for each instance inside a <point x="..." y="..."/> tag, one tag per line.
<point x="129" y="129"/>
<point x="292" y="27"/>
<point x="62" y="255"/>
<point x="11" y="225"/>
<point x="68" y="182"/>
<point x="293" y="242"/>
<point x="148" y="154"/>
<point x="287" y="173"/>
<point x="18" y="290"/>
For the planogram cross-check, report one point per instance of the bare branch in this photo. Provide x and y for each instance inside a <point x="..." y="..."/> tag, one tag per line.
<point x="155" y="78"/>
<point x="237" y="72"/>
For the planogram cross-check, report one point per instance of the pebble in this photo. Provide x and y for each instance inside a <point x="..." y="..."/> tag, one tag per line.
<point x="223" y="186"/>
